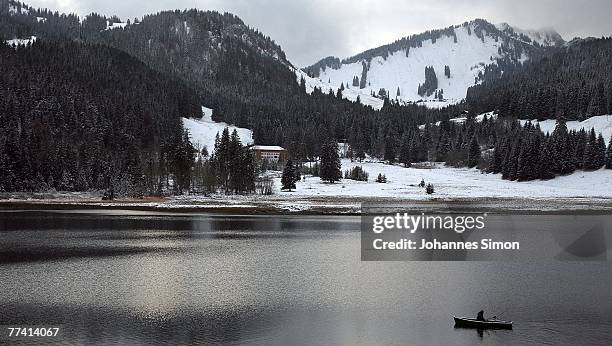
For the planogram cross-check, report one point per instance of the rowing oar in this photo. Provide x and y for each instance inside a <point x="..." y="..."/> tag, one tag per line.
<point x="495" y="317"/>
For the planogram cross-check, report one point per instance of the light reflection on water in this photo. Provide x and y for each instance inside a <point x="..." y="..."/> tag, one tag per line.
<point x="142" y="278"/>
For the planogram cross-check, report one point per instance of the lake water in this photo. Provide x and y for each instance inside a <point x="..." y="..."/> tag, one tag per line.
<point x="109" y="277"/>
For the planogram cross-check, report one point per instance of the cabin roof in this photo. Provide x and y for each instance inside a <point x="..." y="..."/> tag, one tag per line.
<point x="267" y="147"/>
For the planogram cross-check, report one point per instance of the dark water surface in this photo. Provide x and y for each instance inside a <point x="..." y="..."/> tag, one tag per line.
<point x="140" y="278"/>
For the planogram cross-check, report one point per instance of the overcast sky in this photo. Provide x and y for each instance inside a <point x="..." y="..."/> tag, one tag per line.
<point x="308" y="30"/>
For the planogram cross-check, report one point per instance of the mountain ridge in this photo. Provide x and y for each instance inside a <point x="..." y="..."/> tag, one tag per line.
<point x="462" y="53"/>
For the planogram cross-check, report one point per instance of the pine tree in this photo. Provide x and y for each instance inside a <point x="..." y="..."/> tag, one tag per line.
<point x="404" y="154"/>
<point x="609" y="155"/>
<point x="330" y="169"/>
<point x="443" y="148"/>
<point x="546" y="162"/>
<point x="591" y="159"/>
<point x="389" y="154"/>
<point x="561" y="149"/>
<point x="289" y="177"/>
<point x="600" y="156"/>
<point x="429" y="189"/>
<point x="358" y="148"/>
<point x="235" y="162"/>
<point x="222" y="156"/>
<point x="473" y="153"/>
<point x="580" y="147"/>
<point x="527" y="160"/>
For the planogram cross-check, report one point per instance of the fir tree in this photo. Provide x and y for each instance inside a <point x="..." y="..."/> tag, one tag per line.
<point x="592" y="157"/>
<point x="600" y="152"/>
<point x="561" y="149"/>
<point x="404" y="154"/>
<point x="473" y="153"/>
<point x="442" y="148"/>
<point x="429" y="189"/>
<point x="329" y="170"/>
<point x="289" y="177"/>
<point x="546" y="162"/>
<point x="389" y="154"/>
<point x="580" y="147"/>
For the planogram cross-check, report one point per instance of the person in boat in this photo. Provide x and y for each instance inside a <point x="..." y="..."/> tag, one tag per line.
<point x="480" y="316"/>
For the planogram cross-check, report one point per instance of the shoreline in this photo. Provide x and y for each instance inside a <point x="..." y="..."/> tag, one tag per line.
<point x="345" y="206"/>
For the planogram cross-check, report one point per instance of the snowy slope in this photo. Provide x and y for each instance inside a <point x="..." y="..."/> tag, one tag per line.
<point x="466" y="52"/>
<point x="349" y="93"/>
<point x="202" y="132"/>
<point x="601" y="123"/>
<point x="466" y="59"/>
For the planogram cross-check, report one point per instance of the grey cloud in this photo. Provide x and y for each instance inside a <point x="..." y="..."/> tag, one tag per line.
<point x="311" y="29"/>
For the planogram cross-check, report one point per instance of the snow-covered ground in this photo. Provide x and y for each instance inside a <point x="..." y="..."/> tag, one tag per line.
<point x="601" y="123"/>
<point x="21" y="41"/>
<point x="451" y="183"/>
<point x="203" y="131"/>
<point x="455" y="188"/>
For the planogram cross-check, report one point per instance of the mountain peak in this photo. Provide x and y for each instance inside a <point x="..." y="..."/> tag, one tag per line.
<point x="546" y="36"/>
<point x="437" y="65"/>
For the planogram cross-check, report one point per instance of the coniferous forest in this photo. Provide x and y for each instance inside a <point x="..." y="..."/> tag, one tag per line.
<point x="85" y="108"/>
<point x="76" y="117"/>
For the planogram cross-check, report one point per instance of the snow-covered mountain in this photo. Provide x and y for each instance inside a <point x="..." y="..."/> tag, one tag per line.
<point x="546" y="37"/>
<point x="438" y="65"/>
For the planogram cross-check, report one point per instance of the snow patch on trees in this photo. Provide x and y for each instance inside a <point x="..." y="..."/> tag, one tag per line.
<point x="21" y="41"/>
<point x="601" y="123"/>
<point x="349" y="93"/>
<point x="112" y="26"/>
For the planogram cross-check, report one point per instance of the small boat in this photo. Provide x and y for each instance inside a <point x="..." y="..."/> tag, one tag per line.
<point x="465" y="322"/>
